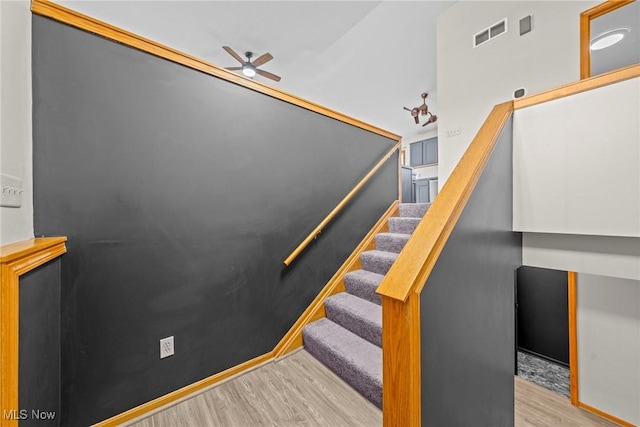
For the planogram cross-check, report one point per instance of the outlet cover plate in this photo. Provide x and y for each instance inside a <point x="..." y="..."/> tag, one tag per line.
<point x="11" y="191"/>
<point x="166" y="347"/>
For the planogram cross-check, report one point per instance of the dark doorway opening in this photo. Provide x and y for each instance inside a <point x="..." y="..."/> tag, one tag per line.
<point x="542" y="328"/>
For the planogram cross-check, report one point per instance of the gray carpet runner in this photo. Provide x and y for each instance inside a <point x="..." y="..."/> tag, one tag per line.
<point x="349" y="339"/>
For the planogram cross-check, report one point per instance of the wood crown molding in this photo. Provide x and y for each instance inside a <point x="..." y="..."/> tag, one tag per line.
<point x="15" y="260"/>
<point x="75" y="19"/>
<point x="601" y="80"/>
<point x="414" y="264"/>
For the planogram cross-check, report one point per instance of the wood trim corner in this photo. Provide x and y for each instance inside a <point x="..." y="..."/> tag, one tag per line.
<point x="75" y="19"/>
<point x="15" y="260"/>
<point x="293" y="338"/>
<point x="585" y="51"/>
<point x="585" y="31"/>
<point x="573" y="338"/>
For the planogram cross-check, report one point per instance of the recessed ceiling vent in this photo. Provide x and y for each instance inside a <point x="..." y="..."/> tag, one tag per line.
<point x="490" y="33"/>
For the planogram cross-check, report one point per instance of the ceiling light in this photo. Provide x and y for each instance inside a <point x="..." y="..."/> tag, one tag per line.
<point x="248" y="70"/>
<point x="608" y="38"/>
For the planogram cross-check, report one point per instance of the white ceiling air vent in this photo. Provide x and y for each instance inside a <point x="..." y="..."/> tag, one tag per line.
<point x="490" y="33"/>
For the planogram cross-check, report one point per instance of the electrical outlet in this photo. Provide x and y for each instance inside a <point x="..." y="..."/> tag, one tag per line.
<point x="454" y="132"/>
<point x="166" y="347"/>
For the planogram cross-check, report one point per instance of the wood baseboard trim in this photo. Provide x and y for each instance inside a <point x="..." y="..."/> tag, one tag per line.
<point x="602" y="414"/>
<point x="147" y="409"/>
<point x="293" y="338"/>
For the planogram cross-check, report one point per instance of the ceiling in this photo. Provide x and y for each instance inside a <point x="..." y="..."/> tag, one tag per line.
<point x="366" y="59"/>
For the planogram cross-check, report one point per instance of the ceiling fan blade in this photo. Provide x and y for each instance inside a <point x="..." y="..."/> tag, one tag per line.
<point x="233" y="68"/>
<point x="268" y="75"/>
<point x="262" y="59"/>
<point x="408" y="109"/>
<point x="234" y="54"/>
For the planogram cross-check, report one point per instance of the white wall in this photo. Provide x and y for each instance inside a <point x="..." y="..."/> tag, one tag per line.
<point x="15" y="115"/>
<point x="576" y="163"/>
<point x="609" y="345"/>
<point x="472" y="80"/>
<point x="605" y="256"/>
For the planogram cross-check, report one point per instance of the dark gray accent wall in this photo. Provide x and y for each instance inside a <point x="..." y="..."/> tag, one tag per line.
<point x="181" y="195"/>
<point x="39" y="346"/>
<point x="543" y="313"/>
<point x="467" y="308"/>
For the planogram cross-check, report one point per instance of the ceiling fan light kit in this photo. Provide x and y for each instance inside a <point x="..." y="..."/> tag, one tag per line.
<point x="422" y="110"/>
<point x="250" y="69"/>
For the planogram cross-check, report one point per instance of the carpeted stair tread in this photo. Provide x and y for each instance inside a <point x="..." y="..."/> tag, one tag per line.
<point x="352" y="358"/>
<point x="377" y="261"/>
<point x="413" y="210"/>
<point x="403" y="225"/>
<point x="357" y="315"/>
<point x="363" y="284"/>
<point x="391" y="242"/>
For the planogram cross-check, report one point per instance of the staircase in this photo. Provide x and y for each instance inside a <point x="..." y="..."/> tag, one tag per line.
<point x="349" y="340"/>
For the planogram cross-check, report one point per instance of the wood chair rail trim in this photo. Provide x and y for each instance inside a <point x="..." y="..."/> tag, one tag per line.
<point x="316" y="231"/>
<point x="75" y="19"/>
<point x="15" y="260"/>
<point x="414" y="264"/>
<point x="574" y="88"/>
<point x="293" y="338"/>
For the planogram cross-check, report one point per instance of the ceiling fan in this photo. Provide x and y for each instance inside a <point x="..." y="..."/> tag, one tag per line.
<point x="422" y="110"/>
<point x="249" y="68"/>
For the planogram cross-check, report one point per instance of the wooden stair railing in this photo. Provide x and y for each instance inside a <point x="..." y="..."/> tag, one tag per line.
<point x="401" y="287"/>
<point x="316" y="231"/>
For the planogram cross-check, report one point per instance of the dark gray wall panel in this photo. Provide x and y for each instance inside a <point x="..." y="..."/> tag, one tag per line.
<point x="543" y="313"/>
<point x="39" y="346"/>
<point x="467" y="307"/>
<point x="181" y="195"/>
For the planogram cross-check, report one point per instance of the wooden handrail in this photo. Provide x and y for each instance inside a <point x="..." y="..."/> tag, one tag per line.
<point x="15" y="260"/>
<point x="75" y="19"/>
<point x="417" y="259"/>
<point x="574" y="88"/>
<point x="339" y="206"/>
<point x="400" y="289"/>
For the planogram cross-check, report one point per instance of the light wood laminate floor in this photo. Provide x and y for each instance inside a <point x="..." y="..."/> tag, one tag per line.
<point x="538" y="407"/>
<point x="299" y="391"/>
<point x="294" y="391"/>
